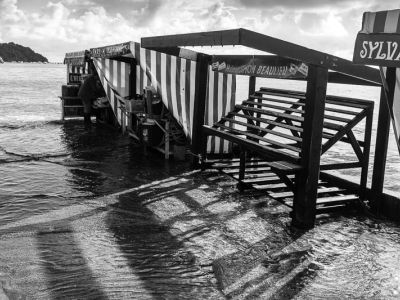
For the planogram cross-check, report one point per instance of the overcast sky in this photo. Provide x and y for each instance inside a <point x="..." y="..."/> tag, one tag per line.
<point x="55" y="27"/>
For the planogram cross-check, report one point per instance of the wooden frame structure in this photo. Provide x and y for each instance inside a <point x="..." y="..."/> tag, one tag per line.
<point x="377" y="44"/>
<point x="308" y="170"/>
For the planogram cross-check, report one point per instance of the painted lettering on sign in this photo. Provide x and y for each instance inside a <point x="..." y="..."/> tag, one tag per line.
<point x="377" y="49"/>
<point x="109" y="51"/>
<point x="260" y="66"/>
<point x="74" y="77"/>
<point x="388" y="50"/>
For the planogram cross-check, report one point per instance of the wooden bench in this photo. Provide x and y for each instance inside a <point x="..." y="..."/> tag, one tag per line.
<point x="269" y="125"/>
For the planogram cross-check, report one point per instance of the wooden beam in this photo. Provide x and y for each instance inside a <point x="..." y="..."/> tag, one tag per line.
<point x="382" y="140"/>
<point x="268" y="44"/>
<point x="305" y="198"/>
<point x="210" y="38"/>
<point x="199" y="106"/>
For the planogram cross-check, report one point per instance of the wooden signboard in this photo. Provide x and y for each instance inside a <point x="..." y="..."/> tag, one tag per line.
<point x="74" y="78"/>
<point x="381" y="49"/>
<point x="111" y="51"/>
<point x="260" y="66"/>
<point x="75" y="58"/>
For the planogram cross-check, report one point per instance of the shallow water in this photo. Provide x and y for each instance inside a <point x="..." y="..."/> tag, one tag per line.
<point x="85" y="215"/>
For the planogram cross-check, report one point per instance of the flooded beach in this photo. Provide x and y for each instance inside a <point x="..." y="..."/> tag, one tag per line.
<point x="84" y="214"/>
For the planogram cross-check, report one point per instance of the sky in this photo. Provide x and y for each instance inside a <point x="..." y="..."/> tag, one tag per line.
<point x="52" y="28"/>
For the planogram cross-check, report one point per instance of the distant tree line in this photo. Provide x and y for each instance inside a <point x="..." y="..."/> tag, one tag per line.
<point x="14" y="52"/>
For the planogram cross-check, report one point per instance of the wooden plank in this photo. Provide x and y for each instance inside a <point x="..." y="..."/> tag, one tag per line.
<point x="265" y="43"/>
<point x="277" y="100"/>
<point x="270" y="113"/>
<point x="254" y="136"/>
<point x="304" y="204"/>
<point x="365" y="159"/>
<point x="341" y="111"/>
<point x="382" y="140"/>
<point x="335" y="200"/>
<point x="286" y="49"/>
<point x="277" y="133"/>
<point x="339" y="166"/>
<point x="262" y="150"/>
<point x="267" y="121"/>
<point x="328" y="135"/>
<point x="330" y="99"/>
<point x="320" y="191"/>
<point x="355" y="145"/>
<point x="288" y="109"/>
<point x="210" y="38"/>
<point x="200" y="96"/>
<point x="343" y="131"/>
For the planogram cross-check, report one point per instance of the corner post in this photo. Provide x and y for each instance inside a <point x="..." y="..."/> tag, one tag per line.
<point x="200" y="98"/>
<point x="382" y="140"/>
<point x="305" y="197"/>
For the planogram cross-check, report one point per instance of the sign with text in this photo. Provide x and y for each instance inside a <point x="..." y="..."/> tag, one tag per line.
<point x="269" y="66"/>
<point x="111" y="51"/>
<point x="74" y="77"/>
<point x="75" y="58"/>
<point x="382" y="49"/>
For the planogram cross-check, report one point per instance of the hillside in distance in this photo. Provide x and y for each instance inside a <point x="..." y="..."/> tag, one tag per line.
<point x="14" y="52"/>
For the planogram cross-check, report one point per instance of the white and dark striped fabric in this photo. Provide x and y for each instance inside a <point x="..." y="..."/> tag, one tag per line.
<point x="114" y="76"/>
<point x="82" y="69"/>
<point x="381" y="22"/>
<point x="221" y="98"/>
<point x="387" y="22"/>
<point x="174" y="79"/>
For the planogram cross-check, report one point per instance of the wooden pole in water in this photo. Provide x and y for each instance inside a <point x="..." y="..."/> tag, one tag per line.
<point x="382" y="140"/>
<point x="199" y="106"/>
<point x="305" y="196"/>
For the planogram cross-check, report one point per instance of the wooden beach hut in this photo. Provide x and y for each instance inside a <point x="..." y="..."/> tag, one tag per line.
<point x="127" y="69"/>
<point x="281" y="135"/>
<point x="378" y="43"/>
<point x="71" y="104"/>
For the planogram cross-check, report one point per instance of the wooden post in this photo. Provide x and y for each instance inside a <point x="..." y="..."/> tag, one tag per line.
<point x="199" y="106"/>
<point x="366" y="150"/>
<point x="166" y="134"/>
<point x="305" y="197"/>
<point x="382" y="140"/>
<point x="132" y="80"/>
<point x="252" y="85"/>
<point x="242" y="168"/>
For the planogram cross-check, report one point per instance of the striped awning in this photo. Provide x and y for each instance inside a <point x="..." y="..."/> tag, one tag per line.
<point x="381" y="22"/>
<point x="174" y="79"/>
<point x="378" y="42"/>
<point x="75" y="58"/>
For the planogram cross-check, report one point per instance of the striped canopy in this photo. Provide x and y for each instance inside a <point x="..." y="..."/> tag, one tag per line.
<point x="174" y="79"/>
<point x="378" y="43"/>
<point x="75" y="58"/>
<point x="381" y="22"/>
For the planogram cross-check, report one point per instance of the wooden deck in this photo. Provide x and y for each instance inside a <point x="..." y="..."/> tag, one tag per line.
<point x="267" y="128"/>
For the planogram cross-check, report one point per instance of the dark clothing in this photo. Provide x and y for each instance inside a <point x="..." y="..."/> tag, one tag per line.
<point x="89" y="91"/>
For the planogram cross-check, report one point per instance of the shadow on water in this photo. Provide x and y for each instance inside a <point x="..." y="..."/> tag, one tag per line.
<point x="103" y="161"/>
<point x="67" y="273"/>
<point x="193" y="235"/>
<point x="165" y="265"/>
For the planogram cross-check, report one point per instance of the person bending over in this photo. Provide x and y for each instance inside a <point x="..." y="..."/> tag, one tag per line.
<point x="90" y="90"/>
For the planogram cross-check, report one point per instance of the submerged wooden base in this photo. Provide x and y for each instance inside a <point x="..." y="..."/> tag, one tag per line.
<point x="260" y="177"/>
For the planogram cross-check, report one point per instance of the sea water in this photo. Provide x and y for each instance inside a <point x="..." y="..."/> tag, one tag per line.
<point x="55" y="174"/>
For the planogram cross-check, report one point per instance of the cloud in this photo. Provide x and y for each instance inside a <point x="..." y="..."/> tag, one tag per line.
<point x="296" y="4"/>
<point x="10" y="13"/>
<point x="58" y="26"/>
